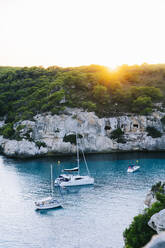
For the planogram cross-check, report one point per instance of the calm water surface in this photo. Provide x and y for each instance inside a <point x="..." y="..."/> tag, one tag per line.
<point x="92" y="217"/>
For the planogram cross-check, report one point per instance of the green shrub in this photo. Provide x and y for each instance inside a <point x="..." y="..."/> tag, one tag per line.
<point x="90" y="106"/>
<point x="17" y="137"/>
<point x="153" y="132"/>
<point x="57" y="110"/>
<point x="118" y="135"/>
<point x="27" y="134"/>
<point x="71" y="138"/>
<point x="10" y="117"/>
<point x="163" y="120"/>
<point x="142" y="103"/>
<point x="1" y="130"/>
<point x="44" y="108"/>
<point x="158" y="187"/>
<point x="154" y="93"/>
<point x="161" y="198"/>
<point x="39" y="144"/>
<point x="27" y="115"/>
<point x="139" y="233"/>
<point x="20" y="127"/>
<point x="7" y="131"/>
<point x="146" y="111"/>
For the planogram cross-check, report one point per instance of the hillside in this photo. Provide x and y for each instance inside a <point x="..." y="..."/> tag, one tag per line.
<point x="26" y="92"/>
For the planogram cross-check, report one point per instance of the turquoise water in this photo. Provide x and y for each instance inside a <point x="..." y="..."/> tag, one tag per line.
<point x="92" y="217"/>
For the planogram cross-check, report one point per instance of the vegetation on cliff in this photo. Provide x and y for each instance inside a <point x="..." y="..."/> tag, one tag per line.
<point x="139" y="233"/>
<point x="26" y="92"/>
<point x="153" y="132"/>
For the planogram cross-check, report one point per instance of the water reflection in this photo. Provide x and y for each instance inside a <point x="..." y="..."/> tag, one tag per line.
<point x="49" y="212"/>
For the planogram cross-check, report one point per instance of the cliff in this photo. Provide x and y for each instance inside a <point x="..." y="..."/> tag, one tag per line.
<point x="45" y="134"/>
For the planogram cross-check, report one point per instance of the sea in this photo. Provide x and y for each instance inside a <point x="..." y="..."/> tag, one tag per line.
<point x="91" y="217"/>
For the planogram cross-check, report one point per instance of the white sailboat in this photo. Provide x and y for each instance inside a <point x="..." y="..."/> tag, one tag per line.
<point x="49" y="202"/>
<point x="68" y="180"/>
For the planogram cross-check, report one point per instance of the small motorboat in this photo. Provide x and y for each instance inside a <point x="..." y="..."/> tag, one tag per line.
<point x="133" y="168"/>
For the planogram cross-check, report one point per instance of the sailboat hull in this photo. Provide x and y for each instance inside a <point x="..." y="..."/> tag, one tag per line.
<point x="74" y="180"/>
<point x="47" y="203"/>
<point x="48" y="207"/>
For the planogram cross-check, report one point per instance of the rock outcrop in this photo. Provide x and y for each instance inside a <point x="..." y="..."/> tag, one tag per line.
<point x="51" y="130"/>
<point x="22" y="148"/>
<point x="157" y="221"/>
<point x="150" y="199"/>
<point x="157" y="241"/>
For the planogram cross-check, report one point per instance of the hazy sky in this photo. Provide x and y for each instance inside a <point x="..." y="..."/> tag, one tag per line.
<point x="81" y="32"/>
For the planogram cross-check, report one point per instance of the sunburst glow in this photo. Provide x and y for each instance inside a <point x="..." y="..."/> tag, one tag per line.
<point x="78" y="32"/>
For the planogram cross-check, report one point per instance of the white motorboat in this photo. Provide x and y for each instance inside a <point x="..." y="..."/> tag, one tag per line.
<point x="68" y="180"/>
<point x="133" y="168"/>
<point x="49" y="202"/>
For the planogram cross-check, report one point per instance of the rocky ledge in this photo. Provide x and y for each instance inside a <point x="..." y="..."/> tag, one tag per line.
<point x="45" y="134"/>
<point x="157" y="221"/>
<point x="158" y="241"/>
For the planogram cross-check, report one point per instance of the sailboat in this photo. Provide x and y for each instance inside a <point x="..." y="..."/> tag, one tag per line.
<point x="49" y="202"/>
<point x="69" y="180"/>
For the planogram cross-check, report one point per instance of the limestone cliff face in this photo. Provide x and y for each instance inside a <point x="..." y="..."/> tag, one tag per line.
<point x="96" y="132"/>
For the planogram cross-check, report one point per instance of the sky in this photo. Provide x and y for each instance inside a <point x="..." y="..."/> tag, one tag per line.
<point x="81" y="32"/>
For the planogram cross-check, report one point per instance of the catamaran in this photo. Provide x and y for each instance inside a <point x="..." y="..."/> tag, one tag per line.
<point x="68" y="180"/>
<point x="49" y="202"/>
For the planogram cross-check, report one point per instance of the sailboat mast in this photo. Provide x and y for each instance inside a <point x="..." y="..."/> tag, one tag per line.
<point x="78" y="160"/>
<point x="85" y="161"/>
<point x="51" y="179"/>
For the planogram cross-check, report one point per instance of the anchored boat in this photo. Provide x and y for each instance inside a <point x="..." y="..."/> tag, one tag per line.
<point x="133" y="168"/>
<point x="68" y="180"/>
<point x="49" y="202"/>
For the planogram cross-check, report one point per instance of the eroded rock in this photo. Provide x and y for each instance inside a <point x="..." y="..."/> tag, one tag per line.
<point x="157" y="241"/>
<point x="150" y="199"/>
<point x="157" y="221"/>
